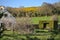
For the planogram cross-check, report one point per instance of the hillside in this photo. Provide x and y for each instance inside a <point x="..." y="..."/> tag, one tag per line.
<point x="46" y="9"/>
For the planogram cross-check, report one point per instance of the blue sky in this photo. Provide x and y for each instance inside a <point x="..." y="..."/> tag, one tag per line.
<point x="26" y="3"/>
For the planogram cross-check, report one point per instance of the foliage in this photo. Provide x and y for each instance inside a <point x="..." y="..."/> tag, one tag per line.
<point x="45" y="10"/>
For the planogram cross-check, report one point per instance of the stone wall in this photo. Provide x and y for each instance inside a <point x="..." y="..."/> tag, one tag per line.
<point x="47" y="24"/>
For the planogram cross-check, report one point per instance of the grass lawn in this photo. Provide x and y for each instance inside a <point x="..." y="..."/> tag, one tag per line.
<point x="16" y="36"/>
<point x="35" y="20"/>
<point x="59" y="19"/>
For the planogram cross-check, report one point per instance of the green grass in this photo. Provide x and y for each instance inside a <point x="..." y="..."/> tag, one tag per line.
<point x="35" y="20"/>
<point x="16" y="36"/>
<point x="59" y="19"/>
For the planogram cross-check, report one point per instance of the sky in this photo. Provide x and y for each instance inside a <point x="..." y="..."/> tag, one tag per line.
<point x="25" y="3"/>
